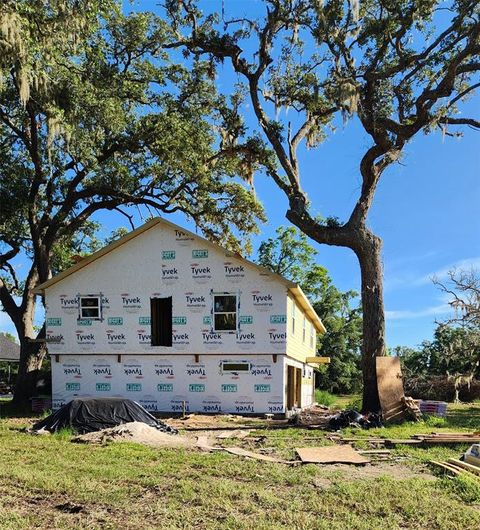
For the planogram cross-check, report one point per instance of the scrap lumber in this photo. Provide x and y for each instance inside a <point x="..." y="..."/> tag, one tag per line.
<point x="412" y="408"/>
<point x="447" y="467"/>
<point x="448" y="438"/>
<point x="249" y="454"/>
<point x="465" y="465"/>
<point x="336" y="454"/>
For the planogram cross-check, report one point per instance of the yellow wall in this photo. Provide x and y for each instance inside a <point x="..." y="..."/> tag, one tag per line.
<point x="296" y="346"/>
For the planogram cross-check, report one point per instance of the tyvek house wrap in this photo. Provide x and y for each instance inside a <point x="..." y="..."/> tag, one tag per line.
<point x="164" y="262"/>
<point x="161" y="263"/>
<point x="172" y="383"/>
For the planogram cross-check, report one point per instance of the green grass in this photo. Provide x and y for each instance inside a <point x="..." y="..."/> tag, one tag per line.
<point x="322" y="397"/>
<point x="44" y="480"/>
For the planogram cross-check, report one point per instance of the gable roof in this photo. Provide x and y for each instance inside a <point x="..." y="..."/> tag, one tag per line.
<point x="9" y="351"/>
<point x="295" y="289"/>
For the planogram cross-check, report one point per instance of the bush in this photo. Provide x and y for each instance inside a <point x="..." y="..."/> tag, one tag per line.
<point x="322" y="397"/>
<point x="439" y="388"/>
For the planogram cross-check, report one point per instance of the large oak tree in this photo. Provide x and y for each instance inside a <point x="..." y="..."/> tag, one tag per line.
<point x="94" y="115"/>
<point x="397" y="67"/>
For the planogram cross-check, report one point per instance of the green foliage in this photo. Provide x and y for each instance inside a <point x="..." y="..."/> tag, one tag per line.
<point x="453" y="350"/>
<point x="322" y="397"/>
<point x="97" y="115"/>
<point x="290" y="255"/>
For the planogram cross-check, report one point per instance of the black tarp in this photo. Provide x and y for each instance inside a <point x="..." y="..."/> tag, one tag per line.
<point x="94" y="414"/>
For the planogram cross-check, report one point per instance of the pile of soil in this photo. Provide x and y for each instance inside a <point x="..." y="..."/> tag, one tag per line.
<point x="136" y="432"/>
<point x="313" y="417"/>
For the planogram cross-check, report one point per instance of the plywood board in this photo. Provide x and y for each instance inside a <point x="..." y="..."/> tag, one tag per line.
<point x="249" y="454"/>
<point x="390" y="388"/>
<point x="336" y="454"/>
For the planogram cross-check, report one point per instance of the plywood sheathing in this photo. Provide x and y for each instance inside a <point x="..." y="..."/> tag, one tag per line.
<point x="390" y="389"/>
<point x="336" y="454"/>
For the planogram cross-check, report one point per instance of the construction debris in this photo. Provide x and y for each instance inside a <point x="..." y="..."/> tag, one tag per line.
<point x="239" y="434"/>
<point x="472" y="456"/>
<point x="458" y="467"/>
<point x="419" y="439"/>
<point x="249" y="454"/>
<point x="336" y="454"/>
<point x="433" y="408"/>
<point x="390" y="389"/>
<point x="448" y="437"/>
<point x="136" y="432"/>
<point x="412" y="408"/>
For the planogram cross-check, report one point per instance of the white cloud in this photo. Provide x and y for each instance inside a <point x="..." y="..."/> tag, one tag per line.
<point x="410" y="279"/>
<point x="441" y="274"/>
<point x="439" y="310"/>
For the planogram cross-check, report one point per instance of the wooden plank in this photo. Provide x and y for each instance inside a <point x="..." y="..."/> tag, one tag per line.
<point x="447" y="467"/>
<point x="317" y="360"/>
<point x="375" y="452"/>
<point x="336" y="454"/>
<point x="390" y="388"/>
<point x="249" y="454"/>
<point x="465" y="465"/>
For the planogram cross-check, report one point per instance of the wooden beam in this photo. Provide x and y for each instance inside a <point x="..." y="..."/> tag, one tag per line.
<point x="318" y="360"/>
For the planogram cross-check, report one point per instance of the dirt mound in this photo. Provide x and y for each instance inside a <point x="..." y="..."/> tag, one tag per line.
<point x="136" y="432"/>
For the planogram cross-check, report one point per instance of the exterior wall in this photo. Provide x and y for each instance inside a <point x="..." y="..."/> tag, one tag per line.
<point x="297" y="348"/>
<point x="164" y="262"/>
<point x="308" y="389"/>
<point x="163" y="383"/>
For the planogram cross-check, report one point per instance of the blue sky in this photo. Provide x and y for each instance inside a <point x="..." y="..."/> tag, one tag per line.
<point x="426" y="210"/>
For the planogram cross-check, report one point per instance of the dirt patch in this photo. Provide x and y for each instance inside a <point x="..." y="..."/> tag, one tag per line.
<point x="136" y="432"/>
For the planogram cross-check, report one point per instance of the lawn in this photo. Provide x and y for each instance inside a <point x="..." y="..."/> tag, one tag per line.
<point x="49" y="482"/>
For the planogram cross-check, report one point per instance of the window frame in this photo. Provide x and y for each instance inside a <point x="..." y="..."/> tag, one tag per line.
<point x="161" y="327"/>
<point x="248" y="364"/>
<point x="312" y="336"/>
<point x="81" y="308"/>
<point x="304" y="329"/>
<point x="214" y="313"/>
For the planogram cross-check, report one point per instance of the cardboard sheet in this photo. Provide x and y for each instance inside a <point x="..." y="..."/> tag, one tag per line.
<point x="336" y="454"/>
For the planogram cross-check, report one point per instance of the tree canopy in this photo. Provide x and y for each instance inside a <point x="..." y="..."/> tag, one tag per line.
<point x="290" y="255"/>
<point x="397" y="67"/>
<point x="96" y="115"/>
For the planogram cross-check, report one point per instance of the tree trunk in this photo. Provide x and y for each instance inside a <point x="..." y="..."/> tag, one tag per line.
<point x="31" y="358"/>
<point x="368" y="252"/>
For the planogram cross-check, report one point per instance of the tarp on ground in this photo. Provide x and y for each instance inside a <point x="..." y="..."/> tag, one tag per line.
<point x="93" y="414"/>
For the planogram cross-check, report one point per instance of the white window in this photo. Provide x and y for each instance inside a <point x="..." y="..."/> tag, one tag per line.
<point x="235" y="367"/>
<point x="225" y="312"/>
<point x="293" y="317"/>
<point x="90" y="306"/>
<point x="304" y="331"/>
<point x="312" y="336"/>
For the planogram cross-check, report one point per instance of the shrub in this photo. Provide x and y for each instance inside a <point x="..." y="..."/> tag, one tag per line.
<point x="322" y="397"/>
<point x="439" y="388"/>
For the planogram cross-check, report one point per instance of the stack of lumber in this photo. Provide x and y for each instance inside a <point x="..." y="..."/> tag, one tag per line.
<point x="412" y="408"/>
<point x="457" y="467"/>
<point x="425" y="439"/>
<point x="448" y="437"/>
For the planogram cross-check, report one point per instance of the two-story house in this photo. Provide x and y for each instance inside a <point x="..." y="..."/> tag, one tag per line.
<point x="175" y="322"/>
